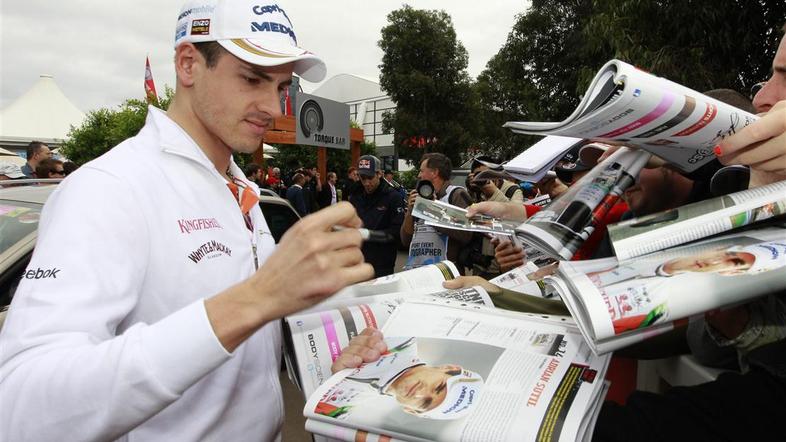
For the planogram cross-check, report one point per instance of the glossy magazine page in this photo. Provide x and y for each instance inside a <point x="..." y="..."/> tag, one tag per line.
<point x="460" y="373"/>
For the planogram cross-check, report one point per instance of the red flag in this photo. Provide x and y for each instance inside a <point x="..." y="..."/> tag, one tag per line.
<point x="150" y="86"/>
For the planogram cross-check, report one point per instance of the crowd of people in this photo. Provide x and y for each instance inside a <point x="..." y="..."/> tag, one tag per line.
<point x="170" y="329"/>
<point x="39" y="165"/>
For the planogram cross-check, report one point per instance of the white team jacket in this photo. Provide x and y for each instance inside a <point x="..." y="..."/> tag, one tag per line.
<point x="108" y="337"/>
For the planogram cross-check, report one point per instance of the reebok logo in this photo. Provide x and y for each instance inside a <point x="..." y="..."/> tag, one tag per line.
<point x="41" y="274"/>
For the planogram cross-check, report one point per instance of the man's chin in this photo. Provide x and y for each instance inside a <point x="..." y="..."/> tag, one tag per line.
<point x="246" y="147"/>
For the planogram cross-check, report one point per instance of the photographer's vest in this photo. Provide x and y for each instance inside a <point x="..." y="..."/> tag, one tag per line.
<point x="428" y="246"/>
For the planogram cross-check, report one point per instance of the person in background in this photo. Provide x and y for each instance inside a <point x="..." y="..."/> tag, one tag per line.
<point x="352" y="180"/>
<point x="69" y="167"/>
<point x="491" y="189"/>
<point x="329" y="194"/>
<point x="36" y="152"/>
<point x="255" y="173"/>
<point x="50" y="168"/>
<point x="380" y="208"/>
<point x="275" y="183"/>
<point x="435" y="244"/>
<point x="295" y="194"/>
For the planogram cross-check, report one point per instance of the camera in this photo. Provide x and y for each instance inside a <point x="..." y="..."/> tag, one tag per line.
<point x="425" y="189"/>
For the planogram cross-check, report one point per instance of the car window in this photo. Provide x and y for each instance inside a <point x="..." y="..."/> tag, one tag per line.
<point x="279" y="218"/>
<point x="17" y="220"/>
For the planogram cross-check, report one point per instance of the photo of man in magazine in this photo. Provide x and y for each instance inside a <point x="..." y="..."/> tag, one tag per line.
<point x="637" y="292"/>
<point x="440" y="392"/>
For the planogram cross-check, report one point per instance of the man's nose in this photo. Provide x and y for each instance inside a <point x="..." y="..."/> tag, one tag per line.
<point x="765" y="98"/>
<point x="269" y="102"/>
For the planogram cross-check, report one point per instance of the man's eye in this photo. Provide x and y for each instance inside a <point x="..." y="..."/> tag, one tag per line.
<point x="251" y="80"/>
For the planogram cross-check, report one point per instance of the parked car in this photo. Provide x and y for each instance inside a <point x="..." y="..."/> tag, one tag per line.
<point x="20" y="209"/>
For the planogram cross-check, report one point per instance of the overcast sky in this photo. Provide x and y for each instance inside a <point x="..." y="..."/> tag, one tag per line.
<point x="96" y="49"/>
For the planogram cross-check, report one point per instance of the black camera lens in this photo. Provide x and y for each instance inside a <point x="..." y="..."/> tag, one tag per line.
<point x="425" y="189"/>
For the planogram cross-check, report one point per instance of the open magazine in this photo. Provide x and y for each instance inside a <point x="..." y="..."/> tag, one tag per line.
<point x="561" y="227"/>
<point x="618" y="303"/>
<point x="647" y="234"/>
<point x="627" y="105"/>
<point x="462" y="373"/>
<point x="315" y="337"/>
<point x="441" y="214"/>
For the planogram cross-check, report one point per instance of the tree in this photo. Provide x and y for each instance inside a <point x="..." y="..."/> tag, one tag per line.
<point x="702" y="44"/>
<point x="423" y="71"/>
<point x="535" y="74"/>
<point x="105" y="128"/>
<point x="556" y="47"/>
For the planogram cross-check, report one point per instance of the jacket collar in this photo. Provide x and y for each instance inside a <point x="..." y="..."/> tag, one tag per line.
<point x="175" y="140"/>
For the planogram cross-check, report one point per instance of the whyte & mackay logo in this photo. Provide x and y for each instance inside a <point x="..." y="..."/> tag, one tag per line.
<point x="210" y="249"/>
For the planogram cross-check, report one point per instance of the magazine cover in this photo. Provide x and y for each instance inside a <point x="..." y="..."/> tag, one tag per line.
<point x="627" y="105"/>
<point x="459" y="374"/>
<point x="650" y="292"/>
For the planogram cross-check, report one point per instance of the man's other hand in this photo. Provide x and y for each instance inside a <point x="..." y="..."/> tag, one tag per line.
<point x="368" y="346"/>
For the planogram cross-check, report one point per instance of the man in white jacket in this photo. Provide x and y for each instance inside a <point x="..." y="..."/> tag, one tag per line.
<point x="149" y="309"/>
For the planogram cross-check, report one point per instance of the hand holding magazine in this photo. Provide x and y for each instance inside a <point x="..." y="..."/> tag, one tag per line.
<point x="561" y="227"/>
<point x="456" y="373"/>
<point x="626" y="105"/>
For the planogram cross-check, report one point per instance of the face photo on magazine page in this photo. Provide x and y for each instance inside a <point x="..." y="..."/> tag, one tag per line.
<point x="638" y="293"/>
<point x="429" y="382"/>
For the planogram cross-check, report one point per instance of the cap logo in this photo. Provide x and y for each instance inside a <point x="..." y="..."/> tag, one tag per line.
<point x="269" y="9"/>
<point x="364" y="164"/>
<point x="269" y="26"/>
<point x="204" y="9"/>
<point x="200" y="27"/>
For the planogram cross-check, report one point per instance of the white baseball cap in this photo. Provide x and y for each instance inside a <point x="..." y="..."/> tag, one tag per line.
<point x="11" y="170"/>
<point x="463" y="394"/>
<point x="768" y="256"/>
<point x="259" y="33"/>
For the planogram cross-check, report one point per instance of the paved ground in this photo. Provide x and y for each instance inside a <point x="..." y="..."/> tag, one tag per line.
<point x="294" y="423"/>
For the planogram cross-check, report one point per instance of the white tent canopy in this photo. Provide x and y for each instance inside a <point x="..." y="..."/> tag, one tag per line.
<point x="42" y="113"/>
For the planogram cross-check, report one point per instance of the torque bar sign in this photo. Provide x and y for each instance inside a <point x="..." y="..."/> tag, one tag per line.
<point x="321" y="122"/>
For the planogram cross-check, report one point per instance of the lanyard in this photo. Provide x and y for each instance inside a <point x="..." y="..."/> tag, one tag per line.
<point x="246" y="200"/>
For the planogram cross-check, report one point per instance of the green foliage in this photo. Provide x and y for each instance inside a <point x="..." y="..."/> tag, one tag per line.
<point x="409" y="178"/>
<point x="105" y="128"/>
<point x="534" y="76"/>
<point x="424" y="71"/>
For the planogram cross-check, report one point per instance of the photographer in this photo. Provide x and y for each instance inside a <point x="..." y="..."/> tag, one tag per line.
<point x="491" y="190"/>
<point x="428" y="245"/>
<point x="479" y="253"/>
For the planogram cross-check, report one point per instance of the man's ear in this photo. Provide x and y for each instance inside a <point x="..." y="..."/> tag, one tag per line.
<point x="187" y="57"/>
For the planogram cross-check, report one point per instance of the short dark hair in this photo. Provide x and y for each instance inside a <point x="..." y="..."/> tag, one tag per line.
<point x="46" y="167"/>
<point x="351" y="169"/>
<point x="34" y="147"/>
<point x="69" y="166"/>
<point x="251" y="169"/>
<point x="732" y="97"/>
<point x="440" y="162"/>
<point x="211" y="50"/>
<point x="476" y="162"/>
<point x="298" y="178"/>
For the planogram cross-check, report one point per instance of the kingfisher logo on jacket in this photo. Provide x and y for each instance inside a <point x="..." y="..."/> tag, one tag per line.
<point x="210" y="249"/>
<point x="190" y="225"/>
